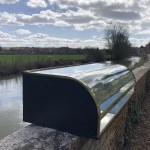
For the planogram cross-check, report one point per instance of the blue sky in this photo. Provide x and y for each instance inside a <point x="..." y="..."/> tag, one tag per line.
<point x="73" y="23"/>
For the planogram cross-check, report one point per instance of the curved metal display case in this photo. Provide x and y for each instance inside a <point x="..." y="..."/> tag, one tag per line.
<point x="81" y="100"/>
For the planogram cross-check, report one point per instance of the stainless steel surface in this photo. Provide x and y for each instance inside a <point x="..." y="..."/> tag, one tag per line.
<point x="111" y="86"/>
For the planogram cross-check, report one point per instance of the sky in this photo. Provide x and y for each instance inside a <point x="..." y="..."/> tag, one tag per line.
<point x="72" y="23"/>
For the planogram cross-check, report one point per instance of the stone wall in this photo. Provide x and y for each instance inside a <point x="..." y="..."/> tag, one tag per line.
<point x="38" y="138"/>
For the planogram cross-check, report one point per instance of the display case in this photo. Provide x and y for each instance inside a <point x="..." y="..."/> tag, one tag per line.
<point x="81" y="100"/>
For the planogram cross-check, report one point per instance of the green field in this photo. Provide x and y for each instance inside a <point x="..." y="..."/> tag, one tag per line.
<point x="13" y="59"/>
<point x="14" y="64"/>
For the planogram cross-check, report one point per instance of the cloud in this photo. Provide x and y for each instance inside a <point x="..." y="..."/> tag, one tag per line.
<point x="23" y="32"/>
<point x="143" y="32"/>
<point x="80" y="17"/>
<point x="8" y="19"/>
<point x="44" y="40"/>
<point x="137" y="42"/>
<point x="5" y="36"/>
<point x="35" y="19"/>
<point x="121" y="15"/>
<point x="8" y="1"/>
<point x="81" y="14"/>
<point x="36" y="3"/>
<point x="38" y="36"/>
<point x="104" y="8"/>
<point x="64" y="3"/>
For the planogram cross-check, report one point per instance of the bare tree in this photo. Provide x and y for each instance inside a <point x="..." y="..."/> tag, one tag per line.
<point x="118" y="42"/>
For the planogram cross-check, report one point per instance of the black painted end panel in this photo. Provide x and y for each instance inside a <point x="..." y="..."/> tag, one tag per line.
<point x="59" y="103"/>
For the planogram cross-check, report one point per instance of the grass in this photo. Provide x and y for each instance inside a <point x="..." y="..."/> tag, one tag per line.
<point x="14" y="64"/>
<point x="12" y="59"/>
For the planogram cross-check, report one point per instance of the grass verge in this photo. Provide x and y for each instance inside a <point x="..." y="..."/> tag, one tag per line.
<point x="14" y="64"/>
